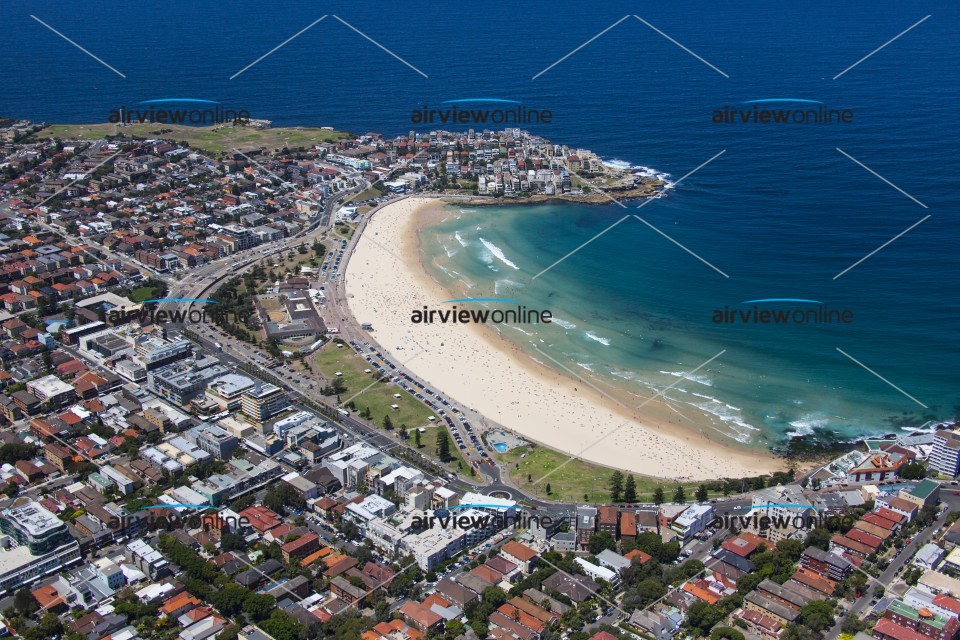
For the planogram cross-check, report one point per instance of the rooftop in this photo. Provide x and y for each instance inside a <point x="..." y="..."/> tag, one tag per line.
<point x="33" y="518"/>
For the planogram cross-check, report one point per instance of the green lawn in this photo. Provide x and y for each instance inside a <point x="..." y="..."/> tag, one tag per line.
<point x="574" y="479"/>
<point x="428" y="440"/>
<point x="143" y="293"/>
<point x="293" y="263"/>
<point x="366" y="194"/>
<point x="379" y="397"/>
<point x="344" y="230"/>
<point x="210" y="139"/>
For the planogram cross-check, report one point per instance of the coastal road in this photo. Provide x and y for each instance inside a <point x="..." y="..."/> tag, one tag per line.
<point x="360" y="431"/>
<point x="205" y="280"/>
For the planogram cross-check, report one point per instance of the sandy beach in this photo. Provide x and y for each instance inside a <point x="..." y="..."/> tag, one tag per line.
<point x="385" y="281"/>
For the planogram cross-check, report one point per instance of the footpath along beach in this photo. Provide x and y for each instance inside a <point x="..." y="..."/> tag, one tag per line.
<point x="472" y="364"/>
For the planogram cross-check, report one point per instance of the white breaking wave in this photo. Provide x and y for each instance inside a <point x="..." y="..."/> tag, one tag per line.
<point x="604" y="341"/>
<point x="617" y="164"/>
<point x="700" y="378"/>
<point x="706" y="397"/>
<point x="563" y="323"/>
<point x="498" y="252"/>
<point x="587" y="366"/>
<point x="805" y="426"/>
<point x="638" y="169"/>
<point x="462" y="242"/>
<point x="731" y="418"/>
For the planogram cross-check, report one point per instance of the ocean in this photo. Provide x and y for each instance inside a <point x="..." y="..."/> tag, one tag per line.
<point x="782" y="212"/>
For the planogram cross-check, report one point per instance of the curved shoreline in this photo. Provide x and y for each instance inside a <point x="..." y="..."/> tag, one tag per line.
<point x="385" y="280"/>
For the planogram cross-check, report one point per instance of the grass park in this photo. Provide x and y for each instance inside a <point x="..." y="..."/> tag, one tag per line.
<point x="213" y="139"/>
<point x="143" y="293"/>
<point x="379" y="398"/>
<point x="574" y="480"/>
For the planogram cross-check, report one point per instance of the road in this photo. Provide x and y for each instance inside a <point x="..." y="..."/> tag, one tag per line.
<point x="204" y="280"/>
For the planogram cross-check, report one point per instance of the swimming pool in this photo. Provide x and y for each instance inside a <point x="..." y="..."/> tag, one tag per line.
<point x="501" y="447"/>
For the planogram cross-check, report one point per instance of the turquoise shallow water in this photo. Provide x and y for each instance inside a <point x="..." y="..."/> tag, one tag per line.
<point x="781" y="212"/>
<point x="634" y="312"/>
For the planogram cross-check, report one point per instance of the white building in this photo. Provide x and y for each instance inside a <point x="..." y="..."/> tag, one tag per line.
<point x="399" y="481"/>
<point x="52" y="389"/>
<point x="34" y="543"/>
<point x="369" y="509"/>
<point x="693" y="520"/>
<point x="951" y="562"/>
<point x="436" y="545"/>
<point x="596" y="572"/>
<point x="945" y="456"/>
<point x="781" y="508"/>
<point x="349" y="464"/>
<point x="928" y="557"/>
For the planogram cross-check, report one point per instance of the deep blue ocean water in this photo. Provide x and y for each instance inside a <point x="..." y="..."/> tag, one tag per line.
<point x="781" y="211"/>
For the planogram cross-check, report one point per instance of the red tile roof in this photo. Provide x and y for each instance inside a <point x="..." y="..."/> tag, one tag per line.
<point x="636" y="553"/>
<point x="519" y="551"/>
<point x="948" y="603"/>
<point x="260" y="518"/>
<point x="890" y="629"/>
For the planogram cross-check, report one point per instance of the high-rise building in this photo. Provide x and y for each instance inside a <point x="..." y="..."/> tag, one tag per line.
<point x="35" y="543"/>
<point x="945" y="456"/>
<point x="263" y="401"/>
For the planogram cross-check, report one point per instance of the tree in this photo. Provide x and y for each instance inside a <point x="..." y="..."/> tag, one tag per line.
<point x="818" y="537"/>
<point x="701" y="617"/>
<point x="229" y="599"/>
<point x="702" y="494"/>
<point x="679" y="495"/>
<point x="49" y="627"/>
<point x="852" y="625"/>
<point x="24" y="602"/>
<point x="387" y="423"/>
<point x="549" y="489"/>
<point x="616" y="486"/>
<point x="382" y="611"/>
<point x="630" y="490"/>
<point x="454" y="628"/>
<point x="416" y="439"/>
<point x="817" y="615"/>
<point x="649" y="590"/>
<point x="10" y="453"/>
<point x="913" y="471"/>
<point x="258" y="606"/>
<point x="725" y="633"/>
<point x="443" y="446"/>
<point x="658" y="496"/>
<point x="281" y="497"/>
<point x="601" y="540"/>
<point x="281" y="626"/>
<point x="232" y="542"/>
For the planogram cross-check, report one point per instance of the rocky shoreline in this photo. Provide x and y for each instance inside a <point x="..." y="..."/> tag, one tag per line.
<point x="650" y="188"/>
